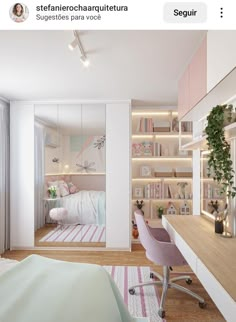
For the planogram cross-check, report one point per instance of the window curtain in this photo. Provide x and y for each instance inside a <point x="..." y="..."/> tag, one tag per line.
<point x="4" y="176"/>
<point x="39" y="217"/>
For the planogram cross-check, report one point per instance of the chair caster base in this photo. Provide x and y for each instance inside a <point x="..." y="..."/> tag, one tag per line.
<point x="189" y="281"/>
<point x="132" y="291"/>
<point x="161" y="313"/>
<point x="202" y="305"/>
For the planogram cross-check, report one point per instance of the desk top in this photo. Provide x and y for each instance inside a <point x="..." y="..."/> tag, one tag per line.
<point x="218" y="254"/>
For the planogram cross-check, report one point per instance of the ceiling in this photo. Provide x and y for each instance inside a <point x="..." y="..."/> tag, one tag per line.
<point x="140" y="65"/>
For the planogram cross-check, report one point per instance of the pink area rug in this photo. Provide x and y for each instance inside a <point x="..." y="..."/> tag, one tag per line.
<point x="78" y="233"/>
<point x="145" y="302"/>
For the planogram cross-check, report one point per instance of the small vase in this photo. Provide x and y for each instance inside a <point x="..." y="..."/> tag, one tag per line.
<point x="219" y="228"/>
<point x="53" y="195"/>
<point x="135" y="232"/>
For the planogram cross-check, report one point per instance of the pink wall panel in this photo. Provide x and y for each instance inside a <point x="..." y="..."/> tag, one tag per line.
<point x="193" y="83"/>
<point x="183" y="94"/>
<point x="198" y="75"/>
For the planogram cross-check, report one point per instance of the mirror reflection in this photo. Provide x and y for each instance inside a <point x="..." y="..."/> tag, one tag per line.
<point x="70" y="151"/>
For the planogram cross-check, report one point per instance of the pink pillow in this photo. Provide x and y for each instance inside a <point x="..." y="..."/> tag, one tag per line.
<point x="72" y="188"/>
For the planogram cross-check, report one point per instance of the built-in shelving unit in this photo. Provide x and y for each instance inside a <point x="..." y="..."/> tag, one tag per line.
<point x="201" y="142"/>
<point x="157" y="162"/>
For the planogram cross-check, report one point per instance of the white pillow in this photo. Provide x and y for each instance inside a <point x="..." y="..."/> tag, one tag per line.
<point x="64" y="190"/>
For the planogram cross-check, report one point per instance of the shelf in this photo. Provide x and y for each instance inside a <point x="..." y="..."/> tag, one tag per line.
<point x="76" y="174"/>
<point x="161" y="178"/>
<point x="161" y="158"/>
<point x="157" y="199"/>
<point x="201" y="142"/>
<point x="219" y="199"/>
<point x="170" y="135"/>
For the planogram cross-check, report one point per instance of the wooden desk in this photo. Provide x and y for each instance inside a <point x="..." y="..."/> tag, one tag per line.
<point x="211" y="257"/>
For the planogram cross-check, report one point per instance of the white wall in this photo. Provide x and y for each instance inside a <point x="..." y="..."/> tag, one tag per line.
<point x="221" y="55"/>
<point x="22" y="175"/>
<point x="118" y="190"/>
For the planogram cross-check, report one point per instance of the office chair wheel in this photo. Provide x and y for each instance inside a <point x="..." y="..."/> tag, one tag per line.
<point x="202" y="305"/>
<point x="132" y="291"/>
<point x="151" y="275"/>
<point x="188" y="281"/>
<point x="161" y="313"/>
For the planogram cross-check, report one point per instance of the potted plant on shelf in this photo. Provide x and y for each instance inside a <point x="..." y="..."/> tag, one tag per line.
<point x="219" y="157"/>
<point x="160" y="211"/>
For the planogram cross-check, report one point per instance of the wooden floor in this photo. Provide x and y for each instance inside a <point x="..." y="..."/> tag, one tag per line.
<point x="179" y="307"/>
<point x="40" y="233"/>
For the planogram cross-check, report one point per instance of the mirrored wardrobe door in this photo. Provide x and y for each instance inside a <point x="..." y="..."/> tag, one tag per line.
<point x="47" y="168"/>
<point x="93" y="176"/>
<point x="70" y="175"/>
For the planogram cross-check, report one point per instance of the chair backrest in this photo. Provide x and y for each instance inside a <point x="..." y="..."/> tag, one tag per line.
<point x="159" y="252"/>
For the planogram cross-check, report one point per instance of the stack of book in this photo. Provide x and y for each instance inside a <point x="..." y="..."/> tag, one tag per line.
<point x="145" y="124"/>
<point x="153" y="190"/>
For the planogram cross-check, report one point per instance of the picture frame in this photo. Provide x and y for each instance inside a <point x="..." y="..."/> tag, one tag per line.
<point x="138" y="192"/>
<point x="145" y="171"/>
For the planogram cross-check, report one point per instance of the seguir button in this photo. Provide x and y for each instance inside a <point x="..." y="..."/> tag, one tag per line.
<point x="185" y="12"/>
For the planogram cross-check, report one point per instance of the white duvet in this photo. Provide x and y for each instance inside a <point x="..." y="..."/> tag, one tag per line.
<point x="40" y="289"/>
<point x="85" y="207"/>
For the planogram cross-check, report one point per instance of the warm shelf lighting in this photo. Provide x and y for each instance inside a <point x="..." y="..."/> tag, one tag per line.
<point x="208" y="214"/>
<point x="138" y="136"/>
<point x="150" y="113"/>
<point x="170" y="136"/>
<point x="146" y="179"/>
<point x="206" y="152"/>
<point x="178" y="179"/>
<point x="161" y="159"/>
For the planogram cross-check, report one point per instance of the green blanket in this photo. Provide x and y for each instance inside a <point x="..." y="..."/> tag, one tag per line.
<point x="39" y="289"/>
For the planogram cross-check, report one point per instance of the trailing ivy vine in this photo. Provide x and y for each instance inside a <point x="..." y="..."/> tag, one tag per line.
<point x="219" y="158"/>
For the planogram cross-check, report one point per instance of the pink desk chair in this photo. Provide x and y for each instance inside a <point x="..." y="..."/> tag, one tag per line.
<point x="161" y="251"/>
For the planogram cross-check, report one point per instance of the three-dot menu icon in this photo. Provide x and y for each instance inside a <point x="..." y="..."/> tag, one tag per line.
<point x="221" y="12"/>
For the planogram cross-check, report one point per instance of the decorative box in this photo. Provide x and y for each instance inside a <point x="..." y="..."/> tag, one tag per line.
<point x="163" y="172"/>
<point x="184" y="172"/>
<point x="161" y="126"/>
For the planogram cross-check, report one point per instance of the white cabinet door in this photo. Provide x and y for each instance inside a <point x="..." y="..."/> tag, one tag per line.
<point x="221" y="55"/>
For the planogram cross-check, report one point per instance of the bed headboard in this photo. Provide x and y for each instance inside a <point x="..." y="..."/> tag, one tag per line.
<point x="82" y="181"/>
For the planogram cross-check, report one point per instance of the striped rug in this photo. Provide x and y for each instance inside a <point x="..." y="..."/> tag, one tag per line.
<point x="145" y="302"/>
<point x="78" y="233"/>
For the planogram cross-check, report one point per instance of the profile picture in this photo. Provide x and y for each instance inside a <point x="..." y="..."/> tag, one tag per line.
<point x="19" y="12"/>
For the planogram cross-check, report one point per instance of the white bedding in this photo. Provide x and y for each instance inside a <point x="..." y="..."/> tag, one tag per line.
<point x="40" y="289"/>
<point x="85" y="207"/>
<point x="6" y="264"/>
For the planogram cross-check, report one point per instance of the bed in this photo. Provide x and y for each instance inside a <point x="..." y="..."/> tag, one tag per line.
<point x="85" y="207"/>
<point x="42" y="289"/>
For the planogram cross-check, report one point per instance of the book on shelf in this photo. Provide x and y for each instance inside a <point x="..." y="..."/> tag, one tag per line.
<point x="185" y="126"/>
<point x="144" y="124"/>
<point x="157" y="149"/>
<point x="153" y="190"/>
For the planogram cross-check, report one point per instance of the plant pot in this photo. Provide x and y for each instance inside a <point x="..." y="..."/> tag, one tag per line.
<point x="159" y="214"/>
<point x="219" y="228"/>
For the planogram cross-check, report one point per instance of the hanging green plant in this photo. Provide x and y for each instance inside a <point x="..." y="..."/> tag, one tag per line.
<point x="219" y="158"/>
